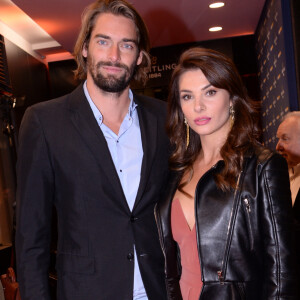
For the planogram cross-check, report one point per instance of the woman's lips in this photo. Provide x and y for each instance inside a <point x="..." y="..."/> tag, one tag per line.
<point x="202" y="120"/>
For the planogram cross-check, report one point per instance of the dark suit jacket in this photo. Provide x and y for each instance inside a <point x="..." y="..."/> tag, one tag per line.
<point x="296" y="213"/>
<point x="296" y="207"/>
<point x="63" y="160"/>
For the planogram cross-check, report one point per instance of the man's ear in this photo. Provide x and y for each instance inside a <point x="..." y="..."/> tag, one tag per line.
<point x="140" y="58"/>
<point x="84" y="50"/>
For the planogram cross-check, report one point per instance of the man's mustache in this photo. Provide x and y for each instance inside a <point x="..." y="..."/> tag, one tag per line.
<point x="110" y="64"/>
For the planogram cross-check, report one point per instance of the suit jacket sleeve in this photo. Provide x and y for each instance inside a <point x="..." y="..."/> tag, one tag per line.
<point x="277" y="230"/>
<point x="35" y="190"/>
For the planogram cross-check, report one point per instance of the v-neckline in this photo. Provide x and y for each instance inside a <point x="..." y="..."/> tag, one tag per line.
<point x="186" y="222"/>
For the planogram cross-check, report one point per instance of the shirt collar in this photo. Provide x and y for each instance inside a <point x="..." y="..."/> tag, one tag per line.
<point x="295" y="171"/>
<point x="96" y="111"/>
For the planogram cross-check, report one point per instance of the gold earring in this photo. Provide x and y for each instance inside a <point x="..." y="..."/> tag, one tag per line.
<point x="187" y="133"/>
<point x="231" y="114"/>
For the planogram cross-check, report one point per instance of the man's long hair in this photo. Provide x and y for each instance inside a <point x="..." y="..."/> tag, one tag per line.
<point x="118" y="8"/>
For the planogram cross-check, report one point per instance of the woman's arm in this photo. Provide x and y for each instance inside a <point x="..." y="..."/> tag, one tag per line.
<point x="276" y="215"/>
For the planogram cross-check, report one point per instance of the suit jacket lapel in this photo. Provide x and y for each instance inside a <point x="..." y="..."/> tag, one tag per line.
<point x="296" y="207"/>
<point x="148" y="126"/>
<point x="87" y="126"/>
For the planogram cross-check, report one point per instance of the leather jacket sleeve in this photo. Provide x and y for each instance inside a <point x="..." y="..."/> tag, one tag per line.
<point x="170" y="250"/>
<point x="276" y="224"/>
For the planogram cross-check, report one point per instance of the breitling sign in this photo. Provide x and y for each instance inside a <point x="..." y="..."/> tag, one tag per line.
<point x="163" y="62"/>
<point x="158" y="71"/>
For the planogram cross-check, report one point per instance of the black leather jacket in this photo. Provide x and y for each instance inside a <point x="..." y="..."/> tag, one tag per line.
<point x="243" y="236"/>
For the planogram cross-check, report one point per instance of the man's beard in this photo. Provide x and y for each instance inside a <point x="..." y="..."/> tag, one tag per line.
<point x="111" y="83"/>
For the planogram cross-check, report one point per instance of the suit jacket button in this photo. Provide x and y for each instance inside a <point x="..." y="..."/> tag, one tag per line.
<point x="130" y="256"/>
<point x="132" y="219"/>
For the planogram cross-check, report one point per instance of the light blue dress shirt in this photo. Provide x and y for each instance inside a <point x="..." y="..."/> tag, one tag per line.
<point x="127" y="154"/>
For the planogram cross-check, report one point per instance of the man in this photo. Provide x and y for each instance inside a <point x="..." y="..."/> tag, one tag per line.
<point x="288" y="146"/>
<point x="100" y="156"/>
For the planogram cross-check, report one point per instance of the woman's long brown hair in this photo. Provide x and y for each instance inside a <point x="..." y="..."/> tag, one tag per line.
<point x="221" y="73"/>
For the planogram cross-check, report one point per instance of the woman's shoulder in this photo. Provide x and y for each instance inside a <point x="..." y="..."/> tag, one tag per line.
<point x="267" y="158"/>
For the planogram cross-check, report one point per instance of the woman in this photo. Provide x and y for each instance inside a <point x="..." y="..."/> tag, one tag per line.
<point x="224" y="222"/>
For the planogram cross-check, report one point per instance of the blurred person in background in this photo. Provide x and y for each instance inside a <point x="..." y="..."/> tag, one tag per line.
<point x="288" y="134"/>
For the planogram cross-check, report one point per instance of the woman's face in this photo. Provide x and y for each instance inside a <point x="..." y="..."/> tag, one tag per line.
<point x="205" y="107"/>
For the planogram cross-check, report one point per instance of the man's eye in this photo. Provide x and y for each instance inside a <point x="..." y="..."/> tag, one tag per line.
<point x="127" y="46"/>
<point x="102" y="42"/>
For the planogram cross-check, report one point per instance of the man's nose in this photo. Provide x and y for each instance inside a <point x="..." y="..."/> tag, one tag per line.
<point x="114" y="53"/>
<point x="279" y="146"/>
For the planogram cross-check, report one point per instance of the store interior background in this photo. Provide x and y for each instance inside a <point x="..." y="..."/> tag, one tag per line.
<point x="267" y="58"/>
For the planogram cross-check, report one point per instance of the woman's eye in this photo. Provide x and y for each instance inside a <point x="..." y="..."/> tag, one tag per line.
<point x="211" y="92"/>
<point x="186" y="97"/>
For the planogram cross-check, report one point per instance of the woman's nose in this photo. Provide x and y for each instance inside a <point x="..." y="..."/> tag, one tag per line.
<point x="199" y="106"/>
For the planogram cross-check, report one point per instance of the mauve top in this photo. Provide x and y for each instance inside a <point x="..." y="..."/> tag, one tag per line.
<point x="190" y="281"/>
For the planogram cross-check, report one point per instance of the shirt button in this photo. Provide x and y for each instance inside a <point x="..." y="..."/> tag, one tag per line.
<point x="130" y="256"/>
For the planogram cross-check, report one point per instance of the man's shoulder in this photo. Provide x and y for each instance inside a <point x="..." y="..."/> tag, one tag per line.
<point x="150" y="102"/>
<point x="46" y="105"/>
<point x="151" y="105"/>
<point x="267" y="159"/>
<point x="56" y="104"/>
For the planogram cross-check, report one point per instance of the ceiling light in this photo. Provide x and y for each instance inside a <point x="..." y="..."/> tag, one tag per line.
<point x="216" y="28"/>
<point x="216" y="4"/>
